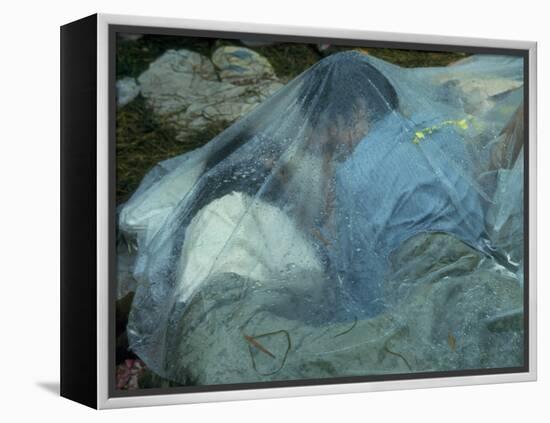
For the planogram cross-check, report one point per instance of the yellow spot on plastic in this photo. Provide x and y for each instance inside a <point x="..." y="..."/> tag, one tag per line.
<point x="460" y="124"/>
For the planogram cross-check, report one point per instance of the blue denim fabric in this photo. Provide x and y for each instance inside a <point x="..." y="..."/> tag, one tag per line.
<point x="392" y="188"/>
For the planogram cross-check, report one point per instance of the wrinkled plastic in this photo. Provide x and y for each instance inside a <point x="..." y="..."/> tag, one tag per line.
<point x="312" y="193"/>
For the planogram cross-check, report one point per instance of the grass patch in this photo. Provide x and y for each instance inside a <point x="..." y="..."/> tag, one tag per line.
<point x="288" y="59"/>
<point x="134" y="57"/>
<point x="415" y="59"/>
<point x="144" y="138"/>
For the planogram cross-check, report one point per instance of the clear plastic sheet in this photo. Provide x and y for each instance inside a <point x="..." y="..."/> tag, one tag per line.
<point x="337" y="204"/>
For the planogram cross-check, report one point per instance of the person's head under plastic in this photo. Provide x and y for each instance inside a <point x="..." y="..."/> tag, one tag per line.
<point x="342" y="97"/>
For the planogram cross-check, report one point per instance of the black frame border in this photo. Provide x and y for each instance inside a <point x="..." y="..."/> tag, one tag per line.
<point x="113" y="29"/>
<point x="78" y="211"/>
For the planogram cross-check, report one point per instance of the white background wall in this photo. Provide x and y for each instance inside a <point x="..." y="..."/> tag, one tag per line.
<point x="29" y="236"/>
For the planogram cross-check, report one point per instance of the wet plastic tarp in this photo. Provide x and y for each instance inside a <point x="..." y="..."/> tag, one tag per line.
<point x="310" y="195"/>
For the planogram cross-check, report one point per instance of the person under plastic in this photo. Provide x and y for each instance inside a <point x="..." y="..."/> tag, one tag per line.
<point x="307" y="198"/>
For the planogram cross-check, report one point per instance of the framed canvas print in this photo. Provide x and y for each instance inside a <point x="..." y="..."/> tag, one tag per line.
<point x="254" y="211"/>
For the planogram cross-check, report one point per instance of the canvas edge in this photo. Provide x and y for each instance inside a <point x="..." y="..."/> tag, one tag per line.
<point x="533" y="169"/>
<point x="103" y="399"/>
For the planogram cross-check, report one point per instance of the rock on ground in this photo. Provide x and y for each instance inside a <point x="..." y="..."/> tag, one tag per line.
<point x="240" y="65"/>
<point x="185" y="87"/>
<point x="127" y="89"/>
